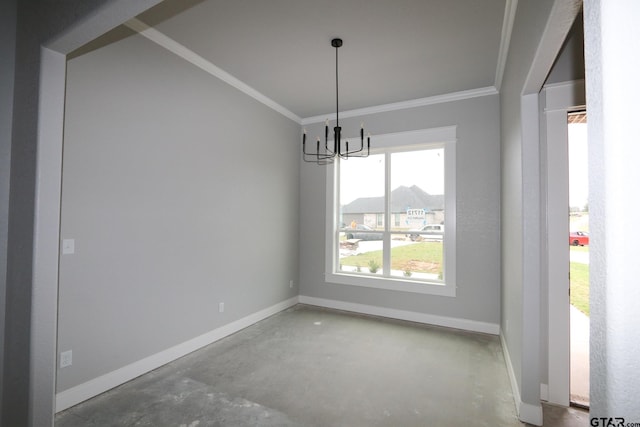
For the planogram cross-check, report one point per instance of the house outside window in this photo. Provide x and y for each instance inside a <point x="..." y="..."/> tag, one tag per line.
<point x="391" y="220"/>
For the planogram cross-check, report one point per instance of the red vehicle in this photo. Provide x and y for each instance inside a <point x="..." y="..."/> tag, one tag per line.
<point x="578" y="238"/>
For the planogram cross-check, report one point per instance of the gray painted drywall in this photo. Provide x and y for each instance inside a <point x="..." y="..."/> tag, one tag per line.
<point x="180" y="192"/>
<point x="478" y="213"/>
<point x="539" y="32"/>
<point x="569" y="65"/>
<point x="611" y="32"/>
<point x="28" y="369"/>
<point x="7" y="52"/>
<point x="531" y="17"/>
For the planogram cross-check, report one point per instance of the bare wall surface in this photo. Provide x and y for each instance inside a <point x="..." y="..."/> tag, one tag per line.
<point x="180" y="193"/>
<point x="531" y="17"/>
<point x="7" y="65"/>
<point x="611" y="33"/>
<point x="570" y="62"/>
<point x="478" y="216"/>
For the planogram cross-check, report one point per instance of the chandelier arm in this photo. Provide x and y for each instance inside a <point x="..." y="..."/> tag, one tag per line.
<point x="340" y="150"/>
<point x="328" y="154"/>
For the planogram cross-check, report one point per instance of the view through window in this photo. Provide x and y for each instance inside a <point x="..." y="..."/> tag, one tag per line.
<point x="579" y="257"/>
<point x="391" y="215"/>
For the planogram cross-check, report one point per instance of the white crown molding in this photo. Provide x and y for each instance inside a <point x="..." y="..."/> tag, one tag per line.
<point x="505" y="39"/>
<point x="412" y="103"/>
<point x="192" y="57"/>
<point x="182" y="51"/>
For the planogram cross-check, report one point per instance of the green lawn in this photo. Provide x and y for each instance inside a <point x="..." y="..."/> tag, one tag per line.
<point x="579" y="248"/>
<point x="423" y="257"/>
<point x="580" y="286"/>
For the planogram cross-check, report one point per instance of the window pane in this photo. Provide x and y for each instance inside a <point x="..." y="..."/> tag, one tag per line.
<point x="361" y="209"/>
<point x="417" y="189"/>
<point x="362" y="194"/>
<point x="361" y="256"/>
<point x="417" y="199"/>
<point x="416" y="259"/>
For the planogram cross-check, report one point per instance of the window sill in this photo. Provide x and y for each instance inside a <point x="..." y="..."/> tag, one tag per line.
<point x="392" y="283"/>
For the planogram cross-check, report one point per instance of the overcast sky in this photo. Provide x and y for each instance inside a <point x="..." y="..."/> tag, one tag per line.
<point x="364" y="177"/>
<point x="578" y="165"/>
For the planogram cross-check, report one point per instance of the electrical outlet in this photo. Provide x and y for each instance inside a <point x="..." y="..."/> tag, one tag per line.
<point x="221" y="307"/>
<point x="291" y="283"/>
<point x="66" y="358"/>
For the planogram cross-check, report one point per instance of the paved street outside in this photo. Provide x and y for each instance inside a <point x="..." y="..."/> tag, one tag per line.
<point x="579" y="345"/>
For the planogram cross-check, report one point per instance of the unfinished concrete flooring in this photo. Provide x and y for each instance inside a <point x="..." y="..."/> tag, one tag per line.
<point x="314" y="367"/>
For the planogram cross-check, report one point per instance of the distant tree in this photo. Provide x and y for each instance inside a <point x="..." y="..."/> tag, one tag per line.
<point x="586" y="207"/>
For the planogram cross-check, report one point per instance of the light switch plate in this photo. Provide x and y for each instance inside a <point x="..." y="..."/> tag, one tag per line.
<point x="68" y="246"/>
<point x="66" y="358"/>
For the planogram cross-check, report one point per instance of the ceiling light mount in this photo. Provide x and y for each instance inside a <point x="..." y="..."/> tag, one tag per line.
<point x="325" y="155"/>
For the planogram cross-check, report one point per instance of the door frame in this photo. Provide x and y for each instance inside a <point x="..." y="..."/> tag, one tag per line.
<point x="559" y="100"/>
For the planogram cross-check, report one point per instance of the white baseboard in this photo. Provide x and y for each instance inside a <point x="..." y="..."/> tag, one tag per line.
<point x="96" y="386"/>
<point x="430" y="319"/>
<point x="544" y="392"/>
<point x="527" y="413"/>
<point x="531" y="414"/>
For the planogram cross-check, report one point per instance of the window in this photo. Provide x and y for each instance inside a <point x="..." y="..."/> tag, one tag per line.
<point x="400" y="207"/>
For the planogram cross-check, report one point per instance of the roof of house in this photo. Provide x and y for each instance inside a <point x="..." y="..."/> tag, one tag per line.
<point x="402" y="198"/>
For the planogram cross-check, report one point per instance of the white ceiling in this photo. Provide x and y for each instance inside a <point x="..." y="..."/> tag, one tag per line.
<point x="394" y="50"/>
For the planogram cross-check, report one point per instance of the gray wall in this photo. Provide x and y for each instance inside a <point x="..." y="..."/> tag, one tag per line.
<point x="478" y="213"/>
<point x="611" y="32"/>
<point x="7" y="53"/>
<point x="531" y="17"/>
<point x="180" y="192"/>
<point x="25" y="25"/>
<point x="570" y="62"/>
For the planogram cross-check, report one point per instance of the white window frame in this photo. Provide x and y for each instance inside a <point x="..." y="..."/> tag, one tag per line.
<point x="444" y="137"/>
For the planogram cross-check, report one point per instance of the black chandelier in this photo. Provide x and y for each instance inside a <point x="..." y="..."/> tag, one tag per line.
<point x="325" y="155"/>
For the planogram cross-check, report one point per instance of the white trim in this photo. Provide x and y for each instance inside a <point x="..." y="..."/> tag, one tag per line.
<point x="530" y="414"/>
<point x="197" y="60"/>
<point x="559" y="99"/>
<point x="527" y="413"/>
<point x="544" y="392"/>
<point x="512" y="375"/>
<point x="412" y="103"/>
<point x="565" y="96"/>
<point x="505" y="39"/>
<point x="561" y="18"/>
<point x="412" y="316"/>
<point x="46" y="235"/>
<point x="96" y="386"/>
<point x="443" y="137"/>
<point x="396" y="284"/>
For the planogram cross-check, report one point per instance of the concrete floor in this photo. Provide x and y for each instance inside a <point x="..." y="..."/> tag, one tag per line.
<point x="556" y="416"/>
<point x="314" y="367"/>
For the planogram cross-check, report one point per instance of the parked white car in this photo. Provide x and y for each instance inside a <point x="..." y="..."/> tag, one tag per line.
<point x="428" y="232"/>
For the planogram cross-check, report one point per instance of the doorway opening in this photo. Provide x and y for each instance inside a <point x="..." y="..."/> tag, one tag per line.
<point x="578" y="257"/>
